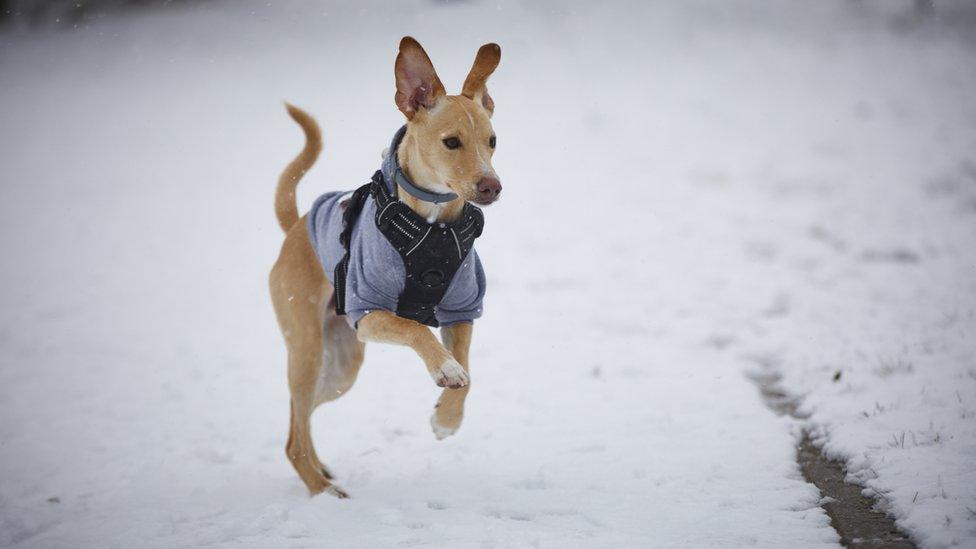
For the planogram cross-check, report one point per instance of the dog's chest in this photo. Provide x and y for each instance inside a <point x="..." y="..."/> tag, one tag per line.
<point x="377" y="274"/>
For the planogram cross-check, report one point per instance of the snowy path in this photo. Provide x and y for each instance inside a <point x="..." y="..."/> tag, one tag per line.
<point x="724" y="177"/>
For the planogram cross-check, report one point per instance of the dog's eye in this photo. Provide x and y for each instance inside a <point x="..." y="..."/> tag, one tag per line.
<point x="491" y="141"/>
<point x="452" y="143"/>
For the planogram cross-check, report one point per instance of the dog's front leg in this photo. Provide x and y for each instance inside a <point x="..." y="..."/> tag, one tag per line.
<point x="386" y="327"/>
<point x="449" y="410"/>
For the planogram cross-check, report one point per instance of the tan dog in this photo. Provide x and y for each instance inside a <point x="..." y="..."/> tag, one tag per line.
<point x="324" y="352"/>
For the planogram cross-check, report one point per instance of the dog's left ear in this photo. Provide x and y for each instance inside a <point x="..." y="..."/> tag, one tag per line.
<point x="484" y="64"/>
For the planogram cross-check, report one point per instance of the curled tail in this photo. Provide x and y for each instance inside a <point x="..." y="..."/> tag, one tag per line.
<point x="286" y="206"/>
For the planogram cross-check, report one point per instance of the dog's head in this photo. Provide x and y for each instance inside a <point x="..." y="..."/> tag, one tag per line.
<point x="450" y="141"/>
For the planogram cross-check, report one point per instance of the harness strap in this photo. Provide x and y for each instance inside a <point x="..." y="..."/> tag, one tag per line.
<point x="353" y="208"/>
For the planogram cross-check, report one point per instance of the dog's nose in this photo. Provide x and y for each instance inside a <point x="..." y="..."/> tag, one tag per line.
<point x="489" y="188"/>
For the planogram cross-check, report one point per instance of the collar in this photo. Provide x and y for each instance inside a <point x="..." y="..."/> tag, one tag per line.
<point x="394" y="175"/>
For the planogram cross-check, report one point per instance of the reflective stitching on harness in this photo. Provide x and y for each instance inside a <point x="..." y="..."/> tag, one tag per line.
<point x="458" y="244"/>
<point x="384" y="210"/>
<point x="406" y="220"/>
<point x="417" y="245"/>
<point x="404" y="231"/>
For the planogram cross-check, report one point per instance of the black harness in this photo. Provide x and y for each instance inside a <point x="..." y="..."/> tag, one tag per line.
<point x="432" y="252"/>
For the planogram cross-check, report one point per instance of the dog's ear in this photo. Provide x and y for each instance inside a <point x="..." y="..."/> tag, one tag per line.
<point x="484" y="64"/>
<point x="416" y="82"/>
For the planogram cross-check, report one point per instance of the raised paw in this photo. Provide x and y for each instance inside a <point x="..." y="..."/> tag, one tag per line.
<point x="442" y="431"/>
<point x="450" y="375"/>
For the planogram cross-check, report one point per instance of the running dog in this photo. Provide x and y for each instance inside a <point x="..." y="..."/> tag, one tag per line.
<point x="392" y="259"/>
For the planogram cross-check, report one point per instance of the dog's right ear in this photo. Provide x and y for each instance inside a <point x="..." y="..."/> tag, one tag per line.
<point x="416" y="82"/>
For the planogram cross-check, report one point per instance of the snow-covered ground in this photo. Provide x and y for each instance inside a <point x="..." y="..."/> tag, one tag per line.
<point x="694" y="192"/>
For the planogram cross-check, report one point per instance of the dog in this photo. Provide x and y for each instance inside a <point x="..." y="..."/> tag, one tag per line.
<point x="437" y="170"/>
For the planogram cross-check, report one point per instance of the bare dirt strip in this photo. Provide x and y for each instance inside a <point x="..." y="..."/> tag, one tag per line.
<point x="853" y="515"/>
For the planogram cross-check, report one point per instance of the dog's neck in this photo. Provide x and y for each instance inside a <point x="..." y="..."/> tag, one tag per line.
<point x="412" y="166"/>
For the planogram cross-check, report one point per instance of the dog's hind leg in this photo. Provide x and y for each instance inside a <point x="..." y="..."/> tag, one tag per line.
<point x="305" y="365"/>
<point x="301" y="452"/>
<point x="299" y="292"/>
<point x="342" y="358"/>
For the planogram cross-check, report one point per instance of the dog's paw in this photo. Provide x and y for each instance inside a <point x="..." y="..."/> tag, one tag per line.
<point x="440" y="431"/>
<point x="334" y="490"/>
<point x="450" y="375"/>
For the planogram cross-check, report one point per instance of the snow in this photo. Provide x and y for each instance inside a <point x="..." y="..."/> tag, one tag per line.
<point x="694" y="192"/>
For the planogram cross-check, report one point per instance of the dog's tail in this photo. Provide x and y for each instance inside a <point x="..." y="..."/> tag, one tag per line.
<point x="286" y="205"/>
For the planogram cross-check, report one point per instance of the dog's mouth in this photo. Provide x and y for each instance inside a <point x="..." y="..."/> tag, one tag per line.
<point x="485" y="201"/>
